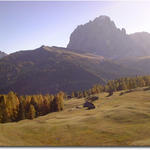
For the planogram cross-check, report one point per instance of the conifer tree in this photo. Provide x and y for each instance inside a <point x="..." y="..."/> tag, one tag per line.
<point x="32" y="112"/>
<point x="3" y="111"/>
<point x="72" y="94"/>
<point x="21" y="113"/>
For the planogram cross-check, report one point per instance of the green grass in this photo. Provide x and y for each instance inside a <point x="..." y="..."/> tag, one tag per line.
<point x="116" y="121"/>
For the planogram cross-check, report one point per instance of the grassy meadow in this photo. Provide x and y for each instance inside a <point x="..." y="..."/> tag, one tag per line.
<point x="118" y="120"/>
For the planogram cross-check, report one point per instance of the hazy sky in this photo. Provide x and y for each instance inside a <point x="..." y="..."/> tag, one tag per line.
<point x="28" y="25"/>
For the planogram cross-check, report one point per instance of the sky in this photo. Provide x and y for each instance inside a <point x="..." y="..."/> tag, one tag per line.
<point x="28" y="25"/>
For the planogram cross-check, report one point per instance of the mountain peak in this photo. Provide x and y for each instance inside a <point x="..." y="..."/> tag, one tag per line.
<point x="102" y="17"/>
<point x="102" y="37"/>
<point x="97" y="36"/>
<point x="103" y="20"/>
<point x="43" y="47"/>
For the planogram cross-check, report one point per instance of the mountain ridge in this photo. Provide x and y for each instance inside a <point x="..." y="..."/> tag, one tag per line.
<point x="51" y="69"/>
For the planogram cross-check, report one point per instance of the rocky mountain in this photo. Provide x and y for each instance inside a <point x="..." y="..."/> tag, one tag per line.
<point x="51" y="69"/>
<point x="102" y="37"/>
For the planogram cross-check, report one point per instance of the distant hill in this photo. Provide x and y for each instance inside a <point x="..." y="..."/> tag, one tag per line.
<point x="102" y="37"/>
<point x="51" y="69"/>
<point x="2" y="54"/>
<point x="142" y="40"/>
<point x="140" y="63"/>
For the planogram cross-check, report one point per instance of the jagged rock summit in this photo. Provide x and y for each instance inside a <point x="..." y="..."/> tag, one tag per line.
<point x="102" y="37"/>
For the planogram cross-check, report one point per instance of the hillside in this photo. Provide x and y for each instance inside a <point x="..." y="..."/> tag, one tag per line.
<point x="53" y="69"/>
<point x="116" y="121"/>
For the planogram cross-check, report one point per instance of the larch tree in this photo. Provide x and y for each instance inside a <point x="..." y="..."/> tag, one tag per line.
<point x="32" y="112"/>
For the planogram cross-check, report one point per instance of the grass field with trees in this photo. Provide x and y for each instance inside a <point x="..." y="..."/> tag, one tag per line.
<point x="118" y="120"/>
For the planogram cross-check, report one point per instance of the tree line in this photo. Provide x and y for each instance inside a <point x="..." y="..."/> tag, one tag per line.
<point x="15" y="108"/>
<point x="126" y="83"/>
